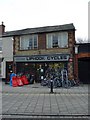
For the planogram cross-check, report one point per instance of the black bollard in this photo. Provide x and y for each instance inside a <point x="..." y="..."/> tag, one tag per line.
<point x="51" y="86"/>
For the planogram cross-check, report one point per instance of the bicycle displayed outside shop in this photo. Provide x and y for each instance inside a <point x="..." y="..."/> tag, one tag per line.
<point x="60" y="79"/>
<point x="59" y="76"/>
<point x="44" y="73"/>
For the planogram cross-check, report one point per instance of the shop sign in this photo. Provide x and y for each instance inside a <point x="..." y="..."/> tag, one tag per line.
<point x="37" y="58"/>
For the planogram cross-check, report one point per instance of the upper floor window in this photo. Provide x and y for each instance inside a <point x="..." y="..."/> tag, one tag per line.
<point x="28" y="42"/>
<point x="58" y="40"/>
<point x="0" y="45"/>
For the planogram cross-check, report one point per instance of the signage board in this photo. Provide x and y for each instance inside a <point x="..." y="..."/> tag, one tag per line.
<point x="42" y="58"/>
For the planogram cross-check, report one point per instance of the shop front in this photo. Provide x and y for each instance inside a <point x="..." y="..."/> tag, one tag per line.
<point x="41" y="65"/>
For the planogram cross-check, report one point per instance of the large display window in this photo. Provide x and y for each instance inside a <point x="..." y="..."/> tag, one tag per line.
<point x="40" y="70"/>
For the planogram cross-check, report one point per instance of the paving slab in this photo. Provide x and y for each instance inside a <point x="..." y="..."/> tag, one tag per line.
<point x="36" y="100"/>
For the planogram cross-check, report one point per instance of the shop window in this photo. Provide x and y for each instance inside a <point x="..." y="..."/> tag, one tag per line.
<point x="54" y="70"/>
<point x="50" y="69"/>
<point x="58" y="40"/>
<point x="28" y="42"/>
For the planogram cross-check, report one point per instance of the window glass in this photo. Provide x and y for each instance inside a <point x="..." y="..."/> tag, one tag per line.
<point x="35" y="41"/>
<point x="24" y="42"/>
<point x="57" y="40"/>
<point x="28" y="42"/>
<point x="64" y="40"/>
<point x="49" y="41"/>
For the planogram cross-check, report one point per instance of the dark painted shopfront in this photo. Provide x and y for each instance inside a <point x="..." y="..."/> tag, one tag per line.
<point x="83" y="63"/>
<point x="39" y="65"/>
<point x="84" y="70"/>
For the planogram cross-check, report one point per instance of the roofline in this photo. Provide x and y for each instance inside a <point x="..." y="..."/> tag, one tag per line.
<point x="44" y="29"/>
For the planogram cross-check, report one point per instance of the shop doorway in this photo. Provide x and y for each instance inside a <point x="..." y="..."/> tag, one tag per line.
<point x="84" y="70"/>
<point x="26" y="68"/>
<point x="31" y="69"/>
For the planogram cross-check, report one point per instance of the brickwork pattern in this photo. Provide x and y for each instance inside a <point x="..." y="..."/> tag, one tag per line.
<point x="17" y="41"/>
<point x="42" y="49"/>
<point x="70" y="70"/>
<point x="42" y="41"/>
<point x="71" y="36"/>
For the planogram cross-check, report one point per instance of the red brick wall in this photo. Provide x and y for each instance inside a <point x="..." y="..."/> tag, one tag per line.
<point x="71" y="37"/>
<point x="71" y="65"/>
<point x="42" y="49"/>
<point x="42" y="41"/>
<point x="82" y="55"/>
<point x="76" y="66"/>
<point x="2" y="29"/>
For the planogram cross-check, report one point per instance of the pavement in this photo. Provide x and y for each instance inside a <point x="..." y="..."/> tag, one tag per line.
<point x="36" y="102"/>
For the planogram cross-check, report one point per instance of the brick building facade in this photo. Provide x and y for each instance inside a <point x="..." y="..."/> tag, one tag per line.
<point x="43" y="47"/>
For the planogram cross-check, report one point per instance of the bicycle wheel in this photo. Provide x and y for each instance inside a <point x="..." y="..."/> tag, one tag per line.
<point x="49" y="84"/>
<point x="55" y="84"/>
<point x="58" y="83"/>
<point x="68" y="84"/>
<point x="64" y="83"/>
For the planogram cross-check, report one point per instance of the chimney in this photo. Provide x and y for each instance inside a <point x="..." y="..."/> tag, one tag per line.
<point x="2" y="29"/>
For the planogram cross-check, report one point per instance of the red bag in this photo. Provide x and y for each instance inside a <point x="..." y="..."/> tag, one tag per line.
<point x="19" y="81"/>
<point x="14" y="81"/>
<point x="24" y="80"/>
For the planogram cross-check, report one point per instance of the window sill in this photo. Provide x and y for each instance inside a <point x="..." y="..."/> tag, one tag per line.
<point x="58" y="48"/>
<point x="28" y="49"/>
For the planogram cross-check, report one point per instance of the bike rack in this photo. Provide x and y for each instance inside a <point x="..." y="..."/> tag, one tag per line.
<point x="64" y="76"/>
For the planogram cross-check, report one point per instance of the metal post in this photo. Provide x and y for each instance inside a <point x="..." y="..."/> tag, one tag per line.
<point x="51" y="86"/>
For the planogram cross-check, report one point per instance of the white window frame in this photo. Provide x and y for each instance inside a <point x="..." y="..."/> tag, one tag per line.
<point x="27" y="47"/>
<point x="60" y="39"/>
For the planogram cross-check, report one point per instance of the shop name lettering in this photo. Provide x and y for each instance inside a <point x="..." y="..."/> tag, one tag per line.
<point x="47" y="58"/>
